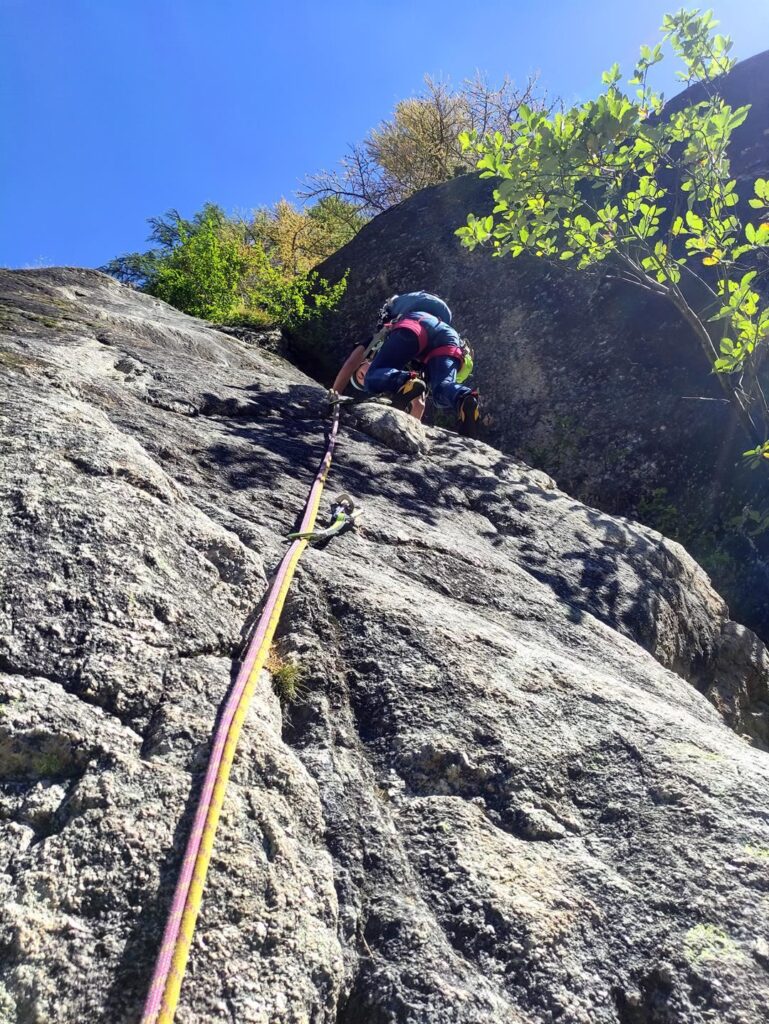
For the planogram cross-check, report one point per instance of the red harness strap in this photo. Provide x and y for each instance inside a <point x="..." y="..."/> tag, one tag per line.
<point x="445" y="350"/>
<point x="418" y="328"/>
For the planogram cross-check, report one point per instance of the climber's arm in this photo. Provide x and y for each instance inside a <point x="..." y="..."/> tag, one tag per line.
<point x="351" y="364"/>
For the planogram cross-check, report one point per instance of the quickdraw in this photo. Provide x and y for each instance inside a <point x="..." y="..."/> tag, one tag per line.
<point x="344" y="516"/>
<point x="171" y="963"/>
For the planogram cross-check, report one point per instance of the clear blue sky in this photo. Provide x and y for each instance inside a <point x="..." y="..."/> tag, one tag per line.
<point x="115" y="110"/>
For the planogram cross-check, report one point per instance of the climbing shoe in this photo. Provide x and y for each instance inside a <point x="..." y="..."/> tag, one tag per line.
<point x="469" y="414"/>
<point x="414" y="387"/>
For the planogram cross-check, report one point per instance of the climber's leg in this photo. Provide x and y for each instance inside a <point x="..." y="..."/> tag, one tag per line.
<point x="386" y="374"/>
<point x="442" y="374"/>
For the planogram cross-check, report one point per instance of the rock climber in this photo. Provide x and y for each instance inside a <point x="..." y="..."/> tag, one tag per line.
<point x="414" y="340"/>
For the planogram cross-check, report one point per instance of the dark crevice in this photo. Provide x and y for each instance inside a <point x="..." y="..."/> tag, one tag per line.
<point x="269" y="405"/>
<point x="57" y="821"/>
<point x="227" y="650"/>
<point x="8" y="668"/>
<point x="70" y="683"/>
<point x="123" y="473"/>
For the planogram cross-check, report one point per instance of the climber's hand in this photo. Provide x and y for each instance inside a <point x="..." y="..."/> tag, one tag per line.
<point x="332" y="397"/>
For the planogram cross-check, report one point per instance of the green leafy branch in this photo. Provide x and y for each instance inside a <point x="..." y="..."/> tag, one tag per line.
<point x="613" y="182"/>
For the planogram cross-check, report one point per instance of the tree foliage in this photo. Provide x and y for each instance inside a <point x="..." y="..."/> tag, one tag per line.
<point x="612" y="181"/>
<point x="232" y="270"/>
<point x="203" y="270"/>
<point x="299" y="239"/>
<point x="419" y="145"/>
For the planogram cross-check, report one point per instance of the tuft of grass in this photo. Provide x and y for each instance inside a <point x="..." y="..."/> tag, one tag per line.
<point x="48" y="764"/>
<point x="286" y="678"/>
<point x="13" y="360"/>
<point x="762" y="852"/>
<point x="8" y="1008"/>
<point x="707" y="942"/>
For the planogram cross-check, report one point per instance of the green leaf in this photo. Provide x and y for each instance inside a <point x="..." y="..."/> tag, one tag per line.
<point x="737" y="118"/>
<point x="724" y="365"/>
<point x="612" y="75"/>
<point x="694" y="221"/>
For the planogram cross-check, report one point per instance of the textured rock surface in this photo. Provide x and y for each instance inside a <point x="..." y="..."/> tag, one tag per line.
<point x="593" y="382"/>
<point x="501" y="795"/>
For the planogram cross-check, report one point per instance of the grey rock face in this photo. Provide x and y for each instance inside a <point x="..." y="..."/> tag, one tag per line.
<point x="502" y="794"/>
<point x="595" y="382"/>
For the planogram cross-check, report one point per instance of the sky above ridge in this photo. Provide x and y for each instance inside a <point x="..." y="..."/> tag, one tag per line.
<point x="116" y="111"/>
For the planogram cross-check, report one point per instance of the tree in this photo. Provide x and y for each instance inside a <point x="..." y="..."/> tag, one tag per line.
<point x="616" y="182"/>
<point x="332" y="223"/>
<point x="228" y="270"/>
<point x="419" y="145"/>
<point x="167" y="232"/>
<point x="299" y="239"/>
<point x="204" y="271"/>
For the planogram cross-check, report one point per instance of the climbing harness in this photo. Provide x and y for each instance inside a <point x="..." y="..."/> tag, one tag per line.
<point x="171" y="963"/>
<point x="405" y="311"/>
<point x="412" y="322"/>
<point x="394" y="310"/>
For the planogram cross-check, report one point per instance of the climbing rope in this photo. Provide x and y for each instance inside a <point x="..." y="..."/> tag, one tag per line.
<point x="171" y="963"/>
